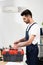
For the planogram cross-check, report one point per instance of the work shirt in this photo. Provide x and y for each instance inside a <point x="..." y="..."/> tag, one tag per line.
<point x="35" y="30"/>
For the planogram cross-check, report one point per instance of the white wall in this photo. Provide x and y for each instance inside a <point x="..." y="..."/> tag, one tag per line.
<point x="11" y="24"/>
<point x="36" y="6"/>
<point x="10" y="28"/>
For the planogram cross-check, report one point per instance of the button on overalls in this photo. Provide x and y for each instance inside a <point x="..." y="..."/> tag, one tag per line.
<point x="31" y="51"/>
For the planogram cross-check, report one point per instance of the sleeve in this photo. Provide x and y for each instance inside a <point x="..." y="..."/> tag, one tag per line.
<point x="34" y="30"/>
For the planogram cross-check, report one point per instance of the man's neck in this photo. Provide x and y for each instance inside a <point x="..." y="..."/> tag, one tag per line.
<point x="31" y="21"/>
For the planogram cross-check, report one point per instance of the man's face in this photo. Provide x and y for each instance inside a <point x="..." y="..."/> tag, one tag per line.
<point x="26" y="19"/>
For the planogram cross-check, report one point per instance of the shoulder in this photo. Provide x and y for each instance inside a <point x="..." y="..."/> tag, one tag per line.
<point x="34" y="29"/>
<point x="35" y="26"/>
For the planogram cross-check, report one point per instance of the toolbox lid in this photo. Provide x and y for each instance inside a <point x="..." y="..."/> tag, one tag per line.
<point x="13" y="51"/>
<point x="5" y="51"/>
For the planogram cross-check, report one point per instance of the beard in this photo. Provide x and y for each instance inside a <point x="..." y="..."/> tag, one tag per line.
<point x="27" y="22"/>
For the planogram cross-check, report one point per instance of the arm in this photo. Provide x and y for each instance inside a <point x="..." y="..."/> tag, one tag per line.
<point x="21" y="40"/>
<point x="26" y="43"/>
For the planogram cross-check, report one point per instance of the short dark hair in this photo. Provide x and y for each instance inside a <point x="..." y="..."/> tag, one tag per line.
<point x="26" y="12"/>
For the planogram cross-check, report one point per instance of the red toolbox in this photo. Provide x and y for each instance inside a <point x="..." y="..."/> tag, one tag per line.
<point x="13" y="55"/>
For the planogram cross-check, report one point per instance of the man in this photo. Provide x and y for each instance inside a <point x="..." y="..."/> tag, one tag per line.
<point x="31" y="38"/>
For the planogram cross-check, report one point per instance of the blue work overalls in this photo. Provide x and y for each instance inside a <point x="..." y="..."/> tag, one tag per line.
<point x="31" y="51"/>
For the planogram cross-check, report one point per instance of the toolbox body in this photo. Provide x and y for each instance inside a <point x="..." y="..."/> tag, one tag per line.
<point x="13" y="55"/>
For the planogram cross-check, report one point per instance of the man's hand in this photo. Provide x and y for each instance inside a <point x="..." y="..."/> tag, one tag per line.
<point x="15" y="46"/>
